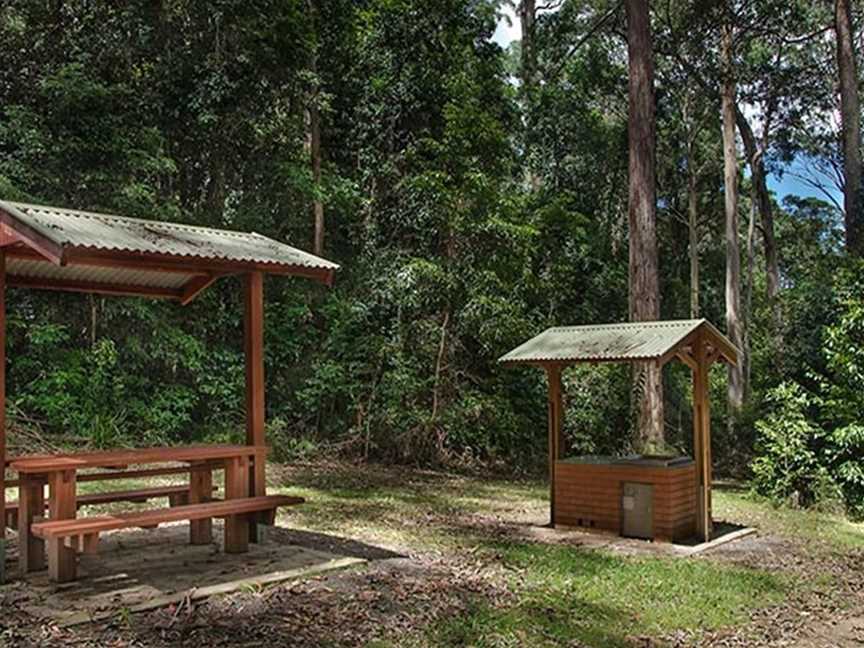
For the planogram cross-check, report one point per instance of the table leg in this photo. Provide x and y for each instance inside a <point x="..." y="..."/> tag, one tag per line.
<point x="257" y="487"/>
<point x="31" y="508"/>
<point x="62" y="566"/>
<point x="236" y="486"/>
<point x="200" y="490"/>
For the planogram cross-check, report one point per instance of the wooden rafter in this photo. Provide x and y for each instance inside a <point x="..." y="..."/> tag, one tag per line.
<point x="196" y="286"/>
<point x="47" y="247"/>
<point x="686" y="356"/>
<point x="66" y="285"/>
<point x="685" y="343"/>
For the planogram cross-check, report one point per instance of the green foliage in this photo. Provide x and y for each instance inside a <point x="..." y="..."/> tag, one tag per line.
<point x="812" y="445"/>
<point x="466" y="215"/>
<point x="843" y="409"/>
<point x="787" y="467"/>
<point x="605" y="426"/>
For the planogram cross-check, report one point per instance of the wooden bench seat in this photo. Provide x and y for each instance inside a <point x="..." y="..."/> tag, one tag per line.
<point x="82" y="534"/>
<point x="176" y="494"/>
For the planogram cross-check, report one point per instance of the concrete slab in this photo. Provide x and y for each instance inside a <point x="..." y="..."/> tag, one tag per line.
<point x="139" y="570"/>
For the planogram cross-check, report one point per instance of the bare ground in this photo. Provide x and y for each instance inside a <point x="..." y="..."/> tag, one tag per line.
<point x="394" y="600"/>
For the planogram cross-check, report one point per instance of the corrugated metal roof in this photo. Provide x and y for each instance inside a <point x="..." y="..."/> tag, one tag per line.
<point x="624" y="342"/>
<point x="106" y="232"/>
<point x="35" y="269"/>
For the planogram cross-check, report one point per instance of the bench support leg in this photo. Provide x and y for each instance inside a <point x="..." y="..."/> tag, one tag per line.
<point x="257" y="488"/>
<point x="62" y="561"/>
<point x="236" y="485"/>
<point x="200" y="491"/>
<point x="178" y="499"/>
<point x="31" y="505"/>
<point x="90" y="543"/>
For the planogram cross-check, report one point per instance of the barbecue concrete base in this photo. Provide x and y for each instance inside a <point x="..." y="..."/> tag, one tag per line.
<point x="140" y="570"/>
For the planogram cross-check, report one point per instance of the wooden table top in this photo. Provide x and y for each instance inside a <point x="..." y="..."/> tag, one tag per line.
<point x="127" y="457"/>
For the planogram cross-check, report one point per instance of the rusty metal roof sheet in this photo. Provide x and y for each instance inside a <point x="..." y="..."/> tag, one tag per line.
<point x="109" y="233"/>
<point x="608" y="342"/>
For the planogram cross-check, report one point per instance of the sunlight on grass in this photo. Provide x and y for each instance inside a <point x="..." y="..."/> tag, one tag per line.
<point x="812" y="527"/>
<point x="564" y="594"/>
<point x="410" y="515"/>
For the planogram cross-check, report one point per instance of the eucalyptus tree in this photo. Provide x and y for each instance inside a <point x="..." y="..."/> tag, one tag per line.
<point x="734" y="326"/>
<point x="850" y="116"/>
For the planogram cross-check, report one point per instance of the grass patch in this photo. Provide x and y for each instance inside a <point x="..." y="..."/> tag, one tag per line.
<point x="564" y="594"/>
<point x="812" y="527"/>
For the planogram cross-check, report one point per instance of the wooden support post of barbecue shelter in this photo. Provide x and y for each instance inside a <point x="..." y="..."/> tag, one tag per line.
<point x="555" y="417"/>
<point x="702" y="433"/>
<point x="696" y="343"/>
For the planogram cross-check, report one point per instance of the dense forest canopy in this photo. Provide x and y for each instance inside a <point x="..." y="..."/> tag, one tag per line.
<point x="473" y="196"/>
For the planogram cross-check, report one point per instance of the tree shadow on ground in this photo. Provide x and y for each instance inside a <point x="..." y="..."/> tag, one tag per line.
<point x="336" y="545"/>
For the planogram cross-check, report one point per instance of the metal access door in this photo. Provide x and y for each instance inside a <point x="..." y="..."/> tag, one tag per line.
<point x="637" y="510"/>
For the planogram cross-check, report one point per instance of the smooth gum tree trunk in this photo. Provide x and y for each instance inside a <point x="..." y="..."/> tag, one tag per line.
<point x="850" y="117"/>
<point x="734" y="328"/>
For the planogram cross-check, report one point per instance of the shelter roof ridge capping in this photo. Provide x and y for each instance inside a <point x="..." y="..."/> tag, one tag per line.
<point x="629" y="325"/>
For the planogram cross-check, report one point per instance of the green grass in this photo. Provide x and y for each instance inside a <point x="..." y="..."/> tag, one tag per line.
<point x="558" y="594"/>
<point x="564" y="593"/>
<point x="827" y="530"/>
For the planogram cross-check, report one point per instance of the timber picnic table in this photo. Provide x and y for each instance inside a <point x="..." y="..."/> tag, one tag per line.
<point x="66" y="534"/>
<point x="44" y="247"/>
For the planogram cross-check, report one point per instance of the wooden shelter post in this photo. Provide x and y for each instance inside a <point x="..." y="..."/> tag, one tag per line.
<point x="2" y="416"/>
<point x="553" y="373"/>
<point x="254" y="350"/>
<point x="702" y="437"/>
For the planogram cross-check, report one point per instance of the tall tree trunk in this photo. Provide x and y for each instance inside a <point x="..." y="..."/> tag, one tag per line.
<point x="733" y="247"/>
<point x="528" y="62"/>
<point x="692" y="215"/>
<point x="748" y="290"/>
<point x="692" y="128"/>
<point x="850" y="117"/>
<point x="528" y="75"/>
<point x="644" y="283"/>
<point x="692" y="223"/>
<point x="313" y="122"/>
<point x="315" y="155"/>
<point x="762" y="199"/>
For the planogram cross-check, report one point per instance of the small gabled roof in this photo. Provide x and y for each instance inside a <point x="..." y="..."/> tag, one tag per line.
<point x="626" y="342"/>
<point x="68" y="249"/>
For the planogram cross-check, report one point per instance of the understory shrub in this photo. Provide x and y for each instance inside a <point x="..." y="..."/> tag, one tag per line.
<point x="810" y="445"/>
<point x="788" y="467"/>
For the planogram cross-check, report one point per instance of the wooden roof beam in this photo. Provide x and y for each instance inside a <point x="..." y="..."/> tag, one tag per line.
<point x="196" y="286"/>
<point x="722" y="346"/>
<point x="33" y="238"/>
<point x="65" y="285"/>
